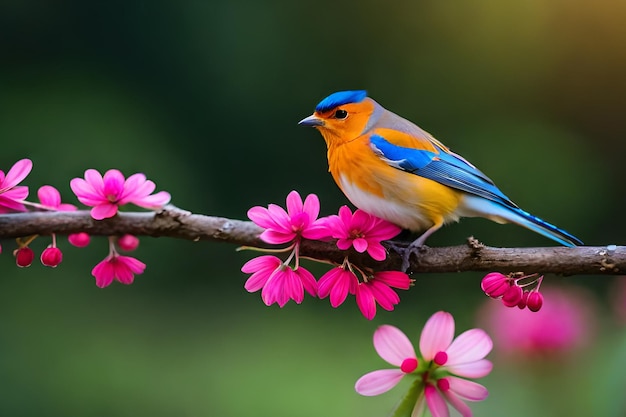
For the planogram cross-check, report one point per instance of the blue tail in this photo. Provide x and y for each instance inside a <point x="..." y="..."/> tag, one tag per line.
<point x="505" y="214"/>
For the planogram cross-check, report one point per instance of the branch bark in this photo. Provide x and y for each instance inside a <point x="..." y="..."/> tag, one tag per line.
<point x="176" y="223"/>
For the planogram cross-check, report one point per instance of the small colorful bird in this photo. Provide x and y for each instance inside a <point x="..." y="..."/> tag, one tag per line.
<point x="389" y="167"/>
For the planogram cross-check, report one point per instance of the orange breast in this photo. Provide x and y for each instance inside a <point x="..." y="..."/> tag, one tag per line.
<point x="406" y="199"/>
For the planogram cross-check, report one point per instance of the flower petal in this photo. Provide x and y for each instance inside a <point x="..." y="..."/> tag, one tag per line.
<point x="260" y="263"/>
<point x="86" y="193"/>
<point x="16" y="174"/>
<point x="49" y="196"/>
<point x="476" y="369"/>
<point x="94" y="179"/>
<point x="345" y="215"/>
<point x="360" y="244"/>
<point x="280" y="217"/>
<point x="393" y="345"/>
<point x="384" y="296"/>
<point x="395" y="279"/>
<point x="469" y="390"/>
<point x="378" y="382"/>
<point x="294" y="203"/>
<point x="437" y="334"/>
<point x="365" y="301"/>
<point x="457" y="403"/>
<point x="261" y="217"/>
<point x="104" y="211"/>
<point x="154" y="201"/>
<point x="376" y="250"/>
<point x="308" y="280"/>
<point x="469" y="346"/>
<point x="12" y="198"/>
<point x="312" y="206"/>
<point x="276" y="238"/>
<point x="113" y="184"/>
<point x="134" y="264"/>
<point x="337" y="283"/>
<point x="436" y="403"/>
<point x="104" y="272"/>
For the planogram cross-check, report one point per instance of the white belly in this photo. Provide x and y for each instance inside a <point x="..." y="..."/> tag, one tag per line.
<point x="406" y="216"/>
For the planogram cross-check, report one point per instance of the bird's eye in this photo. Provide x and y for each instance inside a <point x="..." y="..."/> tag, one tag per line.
<point x="341" y="114"/>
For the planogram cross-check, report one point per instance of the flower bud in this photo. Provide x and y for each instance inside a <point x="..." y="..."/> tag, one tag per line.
<point x="495" y="284"/>
<point x="24" y="256"/>
<point x="535" y="301"/>
<point x="512" y="296"/>
<point x="80" y="240"/>
<point x="128" y="242"/>
<point x="51" y="256"/>
<point x="522" y="303"/>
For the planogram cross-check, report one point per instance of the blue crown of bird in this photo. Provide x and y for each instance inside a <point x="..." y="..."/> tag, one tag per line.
<point x="393" y="169"/>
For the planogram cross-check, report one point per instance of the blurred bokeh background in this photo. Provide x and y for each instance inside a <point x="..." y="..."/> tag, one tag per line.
<point x="204" y="97"/>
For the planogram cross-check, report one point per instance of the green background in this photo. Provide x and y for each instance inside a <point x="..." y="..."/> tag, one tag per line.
<point x="204" y="97"/>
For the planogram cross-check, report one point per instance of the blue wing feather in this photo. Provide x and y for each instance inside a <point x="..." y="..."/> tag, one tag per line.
<point x="452" y="170"/>
<point x="443" y="167"/>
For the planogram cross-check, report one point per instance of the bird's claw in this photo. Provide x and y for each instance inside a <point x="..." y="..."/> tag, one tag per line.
<point x="405" y="253"/>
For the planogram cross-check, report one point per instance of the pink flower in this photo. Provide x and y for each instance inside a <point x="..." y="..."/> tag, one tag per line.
<point x="12" y="195"/>
<point x="337" y="283"/>
<point x="278" y="281"/>
<point x="118" y="267"/>
<point x="106" y="194"/>
<point x="378" y="290"/>
<point x="563" y="324"/>
<point x="443" y="371"/>
<point x="50" y="198"/>
<point x="361" y="230"/>
<point x="300" y="220"/>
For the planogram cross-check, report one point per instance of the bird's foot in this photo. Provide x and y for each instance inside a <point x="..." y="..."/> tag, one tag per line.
<point x="405" y="252"/>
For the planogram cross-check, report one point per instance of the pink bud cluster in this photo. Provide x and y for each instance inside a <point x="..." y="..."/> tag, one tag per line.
<point x="514" y="290"/>
<point x="105" y="194"/>
<point x="280" y="282"/>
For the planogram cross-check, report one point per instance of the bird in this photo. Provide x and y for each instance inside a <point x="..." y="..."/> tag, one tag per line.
<point x="391" y="168"/>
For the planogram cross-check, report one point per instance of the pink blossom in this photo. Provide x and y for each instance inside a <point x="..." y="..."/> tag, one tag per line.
<point x="445" y="367"/>
<point x="50" y="198"/>
<point x="106" y="194"/>
<point x="118" y="267"/>
<point x="378" y="290"/>
<point x="11" y="194"/>
<point x="300" y="220"/>
<point x="337" y="283"/>
<point x="361" y="230"/>
<point x="563" y="324"/>
<point x="277" y="281"/>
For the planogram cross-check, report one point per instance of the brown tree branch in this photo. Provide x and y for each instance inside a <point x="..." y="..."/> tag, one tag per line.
<point x="176" y="223"/>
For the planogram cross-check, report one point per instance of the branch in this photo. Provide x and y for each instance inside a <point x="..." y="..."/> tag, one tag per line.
<point x="176" y="223"/>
